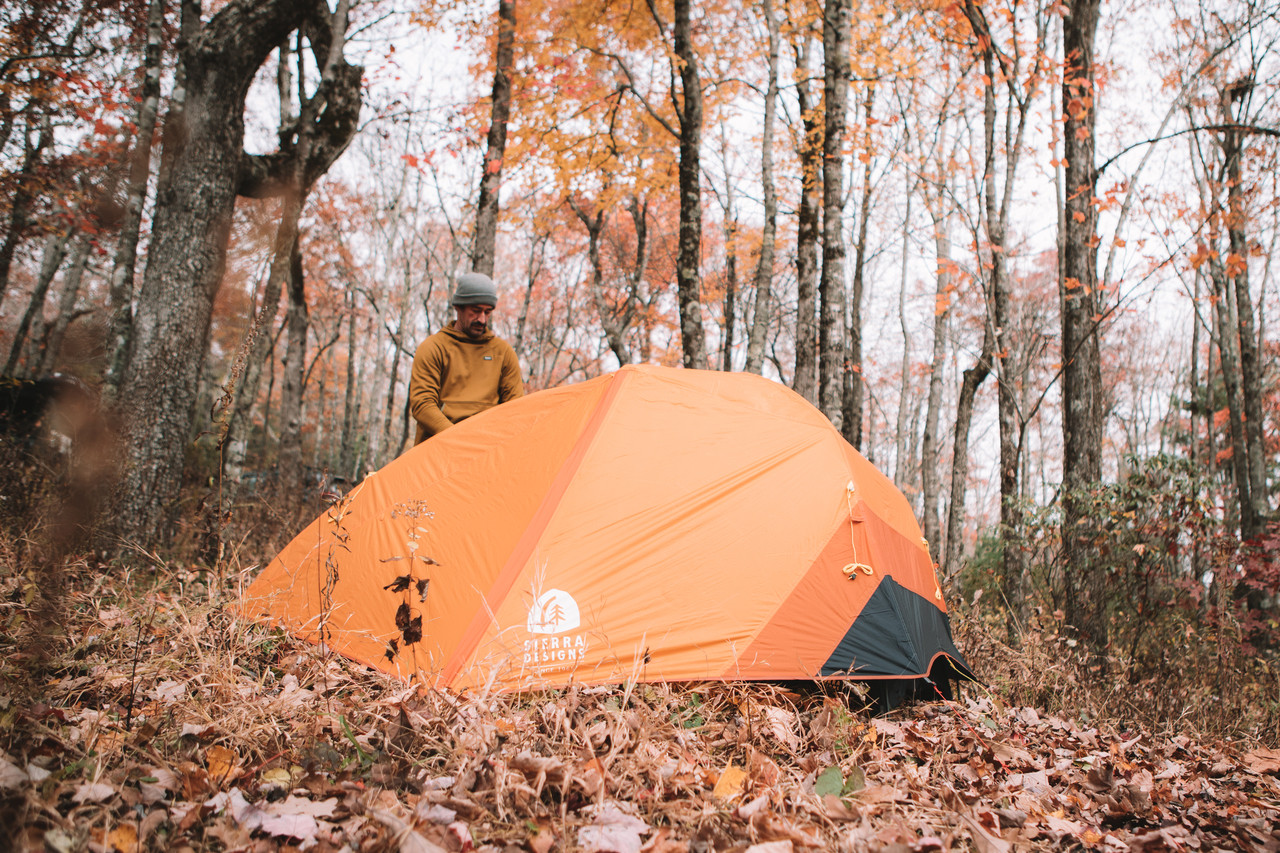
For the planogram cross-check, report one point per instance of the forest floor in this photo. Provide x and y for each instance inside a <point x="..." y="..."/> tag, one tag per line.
<point x="137" y="714"/>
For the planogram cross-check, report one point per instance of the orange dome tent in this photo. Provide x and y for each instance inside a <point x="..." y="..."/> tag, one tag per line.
<point x="653" y="524"/>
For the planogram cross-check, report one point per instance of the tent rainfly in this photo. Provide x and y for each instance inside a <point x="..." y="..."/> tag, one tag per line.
<point x="653" y="524"/>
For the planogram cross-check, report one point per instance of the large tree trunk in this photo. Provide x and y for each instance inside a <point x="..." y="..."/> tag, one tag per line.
<point x="482" y="256"/>
<point x="203" y="167"/>
<point x="120" y="294"/>
<point x="836" y="25"/>
<point x="768" y="239"/>
<point x="689" y="260"/>
<point x="808" y="221"/>
<point x="1081" y="357"/>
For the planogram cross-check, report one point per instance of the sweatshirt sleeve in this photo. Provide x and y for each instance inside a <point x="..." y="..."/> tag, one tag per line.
<point x="510" y="383"/>
<point x="424" y="389"/>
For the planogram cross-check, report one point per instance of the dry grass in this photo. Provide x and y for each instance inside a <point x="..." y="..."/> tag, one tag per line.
<point x="1207" y="685"/>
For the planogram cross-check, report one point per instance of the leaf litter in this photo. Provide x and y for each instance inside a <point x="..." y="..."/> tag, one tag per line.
<point x="183" y="729"/>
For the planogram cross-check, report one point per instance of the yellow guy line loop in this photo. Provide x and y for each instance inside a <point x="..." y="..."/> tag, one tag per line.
<point x="851" y="569"/>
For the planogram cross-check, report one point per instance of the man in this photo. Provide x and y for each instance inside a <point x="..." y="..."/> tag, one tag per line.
<point x="464" y="368"/>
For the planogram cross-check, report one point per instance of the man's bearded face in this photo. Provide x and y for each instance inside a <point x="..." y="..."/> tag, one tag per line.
<point x="473" y="320"/>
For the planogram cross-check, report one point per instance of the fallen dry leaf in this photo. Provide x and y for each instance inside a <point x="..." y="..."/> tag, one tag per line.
<point x="93" y="792"/>
<point x="408" y="840"/>
<point x="223" y="764"/>
<point x="730" y="783"/>
<point x="983" y="840"/>
<point x="1262" y="761"/>
<point x="611" y="831"/>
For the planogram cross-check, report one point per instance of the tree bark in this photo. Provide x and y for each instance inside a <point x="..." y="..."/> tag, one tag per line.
<point x="348" y="460"/>
<point x="1081" y="356"/>
<point x="120" y="292"/>
<point x="853" y="387"/>
<point x="20" y="203"/>
<point x="482" y="257"/>
<point x="55" y="251"/>
<point x="1229" y="364"/>
<point x="930" y="486"/>
<point x="836" y="24"/>
<point x="297" y="323"/>
<point x="901" y="439"/>
<point x="973" y="377"/>
<point x="689" y="259"/>
<point x="808" y="221"/>
<point x="66" y="306"/>
<point x="730" y="278"/>
<point x="1251" y="394"/>
<point x="763" y="308"/>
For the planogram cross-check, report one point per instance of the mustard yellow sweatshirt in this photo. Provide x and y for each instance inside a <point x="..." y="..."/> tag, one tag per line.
<point x="454" y="377"/>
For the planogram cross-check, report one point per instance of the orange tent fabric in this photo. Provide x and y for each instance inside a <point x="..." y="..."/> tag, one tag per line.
<point x="651" y="524"/>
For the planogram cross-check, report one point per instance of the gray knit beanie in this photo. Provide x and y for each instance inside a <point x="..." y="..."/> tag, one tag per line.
<point x="475" y="288"/>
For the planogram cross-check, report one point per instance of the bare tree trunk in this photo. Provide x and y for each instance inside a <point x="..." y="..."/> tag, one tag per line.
<point x="537" y="250"/>
<point x="389" y="449"/>
<point x="120" y="294"/>
<point x="836" y="25"/>
<point x="900" y="439"/>
<point x="730" y="292"/>
<point x="615" y="322"/>
<point x="66" y="306"/>
<point x="1251" y="393"/>
<point x="350" y="395"/>
<point x="36" y="346"/>
<point x="1198" y="405"/>
<point x="55" y="250"/>
<point x="482" y="256"/>
<point x="930" y="486"/>
<point x="1229" y="363"/>
<point x="852" y="392"/>
<point x="972" y="379"/>
<point x="640" y="298"/>
<point x="20" y="203"/>
<point x="297" y="322"/>
<point x="808" y="220"/>
<point x="768" y="239"/>
<point x="255" y="349"/>
<point x="689" y="260"/>
<point x="1081" y="356"/>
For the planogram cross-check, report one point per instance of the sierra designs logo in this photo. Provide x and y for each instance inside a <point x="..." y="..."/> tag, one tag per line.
<point x="554" y="612"/>
<point x="553" y="648"/>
